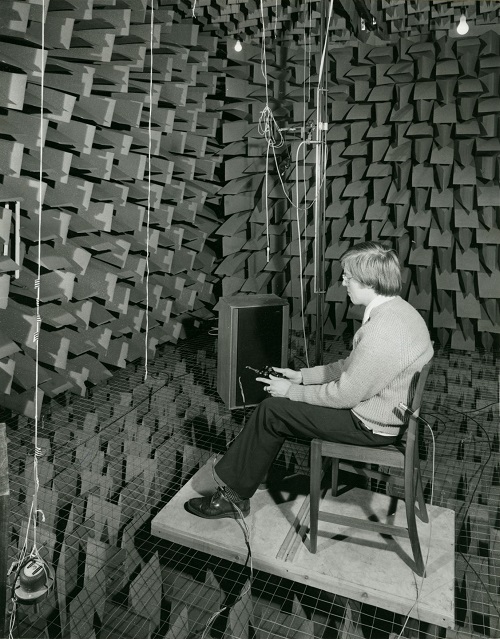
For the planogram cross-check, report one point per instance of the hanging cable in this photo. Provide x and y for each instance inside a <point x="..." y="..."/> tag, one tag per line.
<point x="37" y="452"/>
<point x="263" y="60"/>
<point x="299" y="209"/>
<point x="249" y="559"/>
<point x="304" y="122"/>
<point x="36" y="336"/>
<point x="307" y="66"/>
<point x="301" y="264"/>
<point x="319" y="287"/>
<point x="269" y="129"/>
<point x="266" y="203"/>
<point x="321" y="151"/>
<point x="30" y="567"/>
<point x="284" y="186"/>
<point x="267" y="124"/>
<point x="149" y="188"/>
<point x="325" y="46"/>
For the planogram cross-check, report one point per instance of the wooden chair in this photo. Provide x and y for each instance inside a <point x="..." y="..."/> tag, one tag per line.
<point x="403" y="455"/>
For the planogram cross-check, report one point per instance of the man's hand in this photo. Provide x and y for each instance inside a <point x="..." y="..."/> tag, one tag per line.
<point x="294" y="376"/>
<point x="275" y="386"/>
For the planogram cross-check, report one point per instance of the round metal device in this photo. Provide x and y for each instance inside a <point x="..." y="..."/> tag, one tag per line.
<point x="34" y="581"/>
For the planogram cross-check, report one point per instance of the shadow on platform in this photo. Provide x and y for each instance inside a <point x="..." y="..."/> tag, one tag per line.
<point x="366" y="566"/>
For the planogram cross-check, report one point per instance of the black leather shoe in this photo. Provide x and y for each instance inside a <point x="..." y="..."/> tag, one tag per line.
<point x="217" y="506"/>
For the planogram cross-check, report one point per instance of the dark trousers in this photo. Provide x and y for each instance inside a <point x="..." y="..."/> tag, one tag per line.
<point x="251" y="454"/>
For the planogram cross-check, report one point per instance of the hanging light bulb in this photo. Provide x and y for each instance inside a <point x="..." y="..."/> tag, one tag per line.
<point x="462" y="27"/>
<point x="238" y="45"/>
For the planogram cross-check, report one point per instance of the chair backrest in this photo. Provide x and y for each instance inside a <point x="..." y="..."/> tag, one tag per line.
<point x="416" y="403"/>
<point x="419" y="389"/>
<point x="411" y="435"/>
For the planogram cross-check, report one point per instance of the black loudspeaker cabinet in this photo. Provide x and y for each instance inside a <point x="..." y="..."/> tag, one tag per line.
<point x="253" y="333"/>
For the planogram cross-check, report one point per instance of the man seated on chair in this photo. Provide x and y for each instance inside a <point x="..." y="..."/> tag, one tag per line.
<point x="354" y="400"/>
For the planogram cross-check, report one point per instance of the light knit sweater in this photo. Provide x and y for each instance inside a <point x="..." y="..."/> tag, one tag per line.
<point x="379" y="373"/>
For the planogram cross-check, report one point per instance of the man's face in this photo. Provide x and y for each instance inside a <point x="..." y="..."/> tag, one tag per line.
<point x="357" y="292"/>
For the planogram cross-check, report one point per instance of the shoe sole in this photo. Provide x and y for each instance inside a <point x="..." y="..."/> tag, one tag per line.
<point x="235" y="515"/>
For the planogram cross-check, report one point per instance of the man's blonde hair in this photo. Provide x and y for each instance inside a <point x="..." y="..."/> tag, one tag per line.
<point x="375" y="266"/>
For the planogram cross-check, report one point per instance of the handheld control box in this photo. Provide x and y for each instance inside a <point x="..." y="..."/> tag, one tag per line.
<point x="266" y="371"/>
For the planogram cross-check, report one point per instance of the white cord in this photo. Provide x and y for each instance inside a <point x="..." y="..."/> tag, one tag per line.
<point x="266" y="202"/>
<point x="242" y="392"/>
<point x="241" y="521"/>
<point x="263" y="61"/>
<point x="246" y="533"/>
<point x="294" y="204"/>
<point x="12" y="620"/>
<point x="301" y="264"/>
<point x="321" y="152"/>
<point x="267" y="124"/>
<point x="325" y="47"/>
<point x="268" y="127"/>
<point x="419" y="590"/>
<point x="149" y="189"/>
<point x="37" y="289"/>
<point x="307" y="64"/>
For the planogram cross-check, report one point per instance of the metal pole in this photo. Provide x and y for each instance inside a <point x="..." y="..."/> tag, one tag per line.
<point x="320" y="194"/>
<point x="4" y="526"/>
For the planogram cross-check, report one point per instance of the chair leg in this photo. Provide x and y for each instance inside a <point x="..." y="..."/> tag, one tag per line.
<point x="412" y="526"/>
<point x="422" y="508"/>
<point x="314" y="494"/>
<point x="335" y="476"/>
<point x="415" y="543"/>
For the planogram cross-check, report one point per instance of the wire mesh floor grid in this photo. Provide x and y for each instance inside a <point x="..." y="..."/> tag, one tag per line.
<point x="114" y="458"/>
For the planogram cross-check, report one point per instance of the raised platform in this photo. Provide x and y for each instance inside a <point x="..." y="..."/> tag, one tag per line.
<point x="353" y="563"/>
